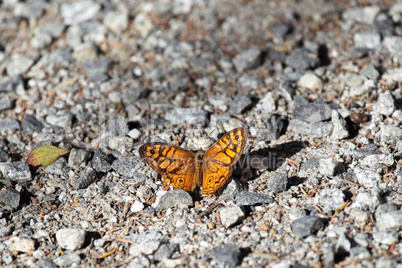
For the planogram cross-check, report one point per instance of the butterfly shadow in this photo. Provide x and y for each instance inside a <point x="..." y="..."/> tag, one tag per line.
<point x="251" y="165"/>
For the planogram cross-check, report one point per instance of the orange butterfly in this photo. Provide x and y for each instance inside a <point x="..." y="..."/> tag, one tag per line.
<point x="185" y="170"/>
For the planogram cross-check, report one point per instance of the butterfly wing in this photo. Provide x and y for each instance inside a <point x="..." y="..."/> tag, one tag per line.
<point x="175" y="164"/>
<point x="220" y="158"/>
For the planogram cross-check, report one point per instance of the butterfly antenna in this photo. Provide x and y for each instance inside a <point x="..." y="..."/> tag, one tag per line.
<point x="209" y="136"/>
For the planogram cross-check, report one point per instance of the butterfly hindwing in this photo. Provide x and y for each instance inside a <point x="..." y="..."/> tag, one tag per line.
<point x="175" y="164"/>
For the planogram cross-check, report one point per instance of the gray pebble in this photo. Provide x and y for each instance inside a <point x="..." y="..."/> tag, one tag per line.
<point x="175" y="198"/>
<point x="15" y="172"/>
<point x="86" y="179"/>
<point x="21" y="244"/>
<point x="165" y="251"/>
<point x="13" y="84"/>
<point x="389" y="220"/>
<point x="306" y="226"/>
<point x="227" y="255"/>
<point x="385" y="104"/>
<point x="19" y="64"/>
<point x="384" y="208"/>
<point x="365" y="15"/>
<point x="71" y="238"/>
<point x="367" y="40"/>
<point x="232" y="189"/>
<point x="343" y="245"/>
<point x="127" y="166"/>
<point x="245" y="198"/>
<point x="331" y="199"/>
<point x="277" y="182"/>
<point x="320" y="130"/>
<point x="63" y="120"/>
<point x="386" y="237"/>
<point x="231" y="215"/>
<point x="330" y="167"/>
<point x="311" y="111"/>
<point x="191" y="116"/>
<point x="6" y="104"/>
<point x="239" y="104"/>
<point x="59" y="168"/>
<point x="46" y="263"/>
<point x="367" y="177"/>
<point x="301" y="59"/>
<point x="10" y="197"/>
<point x="390" y="134"/>
<point x="76" y="12"/>
<point x="272" y="128"/>
<point x="371" y="72"/>
<point x="102" y="162"/>
<point x="116" y="21"/>
<point x="8" y="126"/>
<point x="247" y="59"/>
<point x="340" y="130"/>
<point x="78" y="157"/>
<point x="67" y="259"/>
<point x="359" y="253"/>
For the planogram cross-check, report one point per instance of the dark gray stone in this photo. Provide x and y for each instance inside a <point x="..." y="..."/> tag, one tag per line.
<point x="10" y="197"/>
<point x="272" y="128"/>
<point x="30" y="124"/>
<point x="173" y="199"/>
<point x="3" y="156"/>
<point x="78" y="156"/>
<point x="239" y="104"/>
<point x="231" y="190"/>
<point x="311" y="111"/>
<point x="227" y="255"/>
<point x="46" y="263"/>
<point x="86" y="179"/>
<point x="277" y="183"/>
<point x="102" y="162"/>
<point x="249" y="199"/>
<point x="247" y="59"/>
<point x="165" y="251"/>
<point x="301" y="59"/>
<point x="6" y="104"/>
<point x="306" y="226"/>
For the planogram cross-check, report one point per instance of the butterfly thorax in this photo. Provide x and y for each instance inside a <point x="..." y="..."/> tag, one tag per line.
<point x="199" y="160"/>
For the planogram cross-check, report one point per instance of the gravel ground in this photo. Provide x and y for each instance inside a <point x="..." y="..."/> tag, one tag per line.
<point x="317" y="84"/>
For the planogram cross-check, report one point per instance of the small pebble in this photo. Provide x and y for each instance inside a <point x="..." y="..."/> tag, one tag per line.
<point x="21" y="244"/>
<point x="175" y="198"/>
<point x="71" y="238"/>
<point x="231" y="215"/>
<point x="306" y="226"/>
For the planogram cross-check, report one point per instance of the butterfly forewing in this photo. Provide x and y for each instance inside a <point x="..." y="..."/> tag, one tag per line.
<point x="175" y="164"/>
<point x="228" y="149"/>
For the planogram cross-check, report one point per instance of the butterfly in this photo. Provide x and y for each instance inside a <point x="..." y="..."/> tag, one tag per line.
<point x="184" y="169"/>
